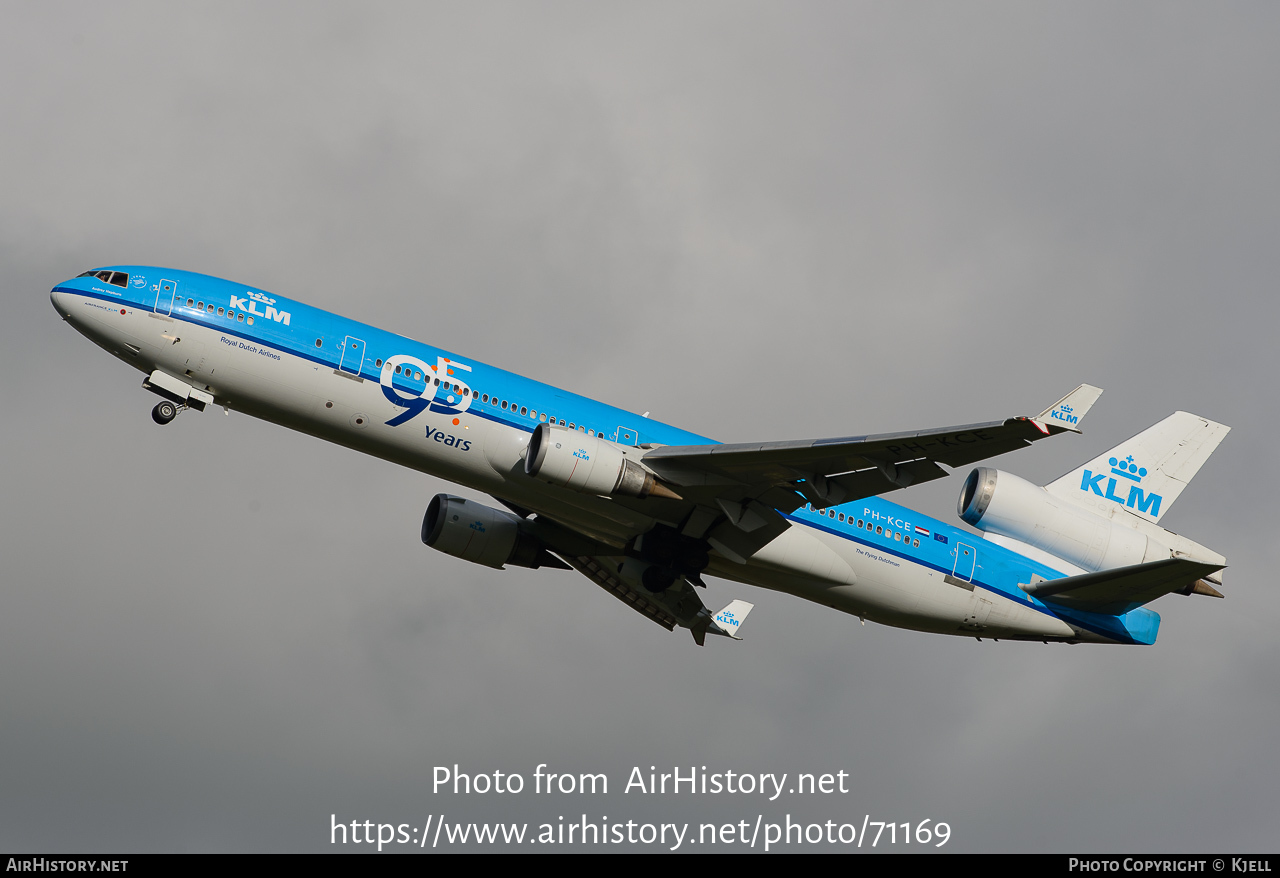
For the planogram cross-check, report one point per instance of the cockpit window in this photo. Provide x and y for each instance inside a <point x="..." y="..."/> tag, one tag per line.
<point x="115" y="278"/>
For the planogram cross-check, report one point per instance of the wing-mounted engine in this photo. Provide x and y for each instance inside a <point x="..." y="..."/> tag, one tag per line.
<point x="1001" y="503"/>
<point x="483" y="535"/>
<point x="588" y="464"/>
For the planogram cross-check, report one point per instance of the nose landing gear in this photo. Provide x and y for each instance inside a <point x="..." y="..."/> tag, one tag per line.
<point x="164" y="412"/>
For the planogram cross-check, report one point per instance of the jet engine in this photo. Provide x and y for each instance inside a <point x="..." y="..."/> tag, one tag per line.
<point x="587" y="464"/>
<point x="1001" y="503"/>
<point x="481" y="534"/>
<point x="651" y="577"/>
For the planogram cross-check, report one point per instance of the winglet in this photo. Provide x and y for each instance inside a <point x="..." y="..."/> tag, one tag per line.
<point x="728" y="620"/>
<point x="1068" y="411"/>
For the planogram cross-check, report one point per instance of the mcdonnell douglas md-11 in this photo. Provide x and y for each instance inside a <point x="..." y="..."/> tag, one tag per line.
<point x="646" y="511"/>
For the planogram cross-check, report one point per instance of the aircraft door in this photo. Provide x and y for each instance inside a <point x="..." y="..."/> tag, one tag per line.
<point x="966" y="558"/>
<point x="352" y="356"/>
<point x="166" y="292"/>
<point x="627" y="436"/>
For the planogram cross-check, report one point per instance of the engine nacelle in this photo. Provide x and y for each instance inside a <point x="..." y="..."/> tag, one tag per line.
<point x="588" y="464"/>
<point x="480" y="534"/>
<point x="651" y="577"/>
<point x="1001" y="503"/>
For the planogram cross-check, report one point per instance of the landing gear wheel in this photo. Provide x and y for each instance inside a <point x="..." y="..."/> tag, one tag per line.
<point x="164" y="412"/>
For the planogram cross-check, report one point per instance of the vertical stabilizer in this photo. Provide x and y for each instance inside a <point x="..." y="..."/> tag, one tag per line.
<point x="1144" y="475"/>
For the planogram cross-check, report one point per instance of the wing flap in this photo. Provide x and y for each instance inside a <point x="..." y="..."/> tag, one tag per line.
<point x="637" y="600"/>
<point x="679" y="604"/>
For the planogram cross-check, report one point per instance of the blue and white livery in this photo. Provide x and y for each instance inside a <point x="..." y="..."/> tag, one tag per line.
<point x="646" y="510"/>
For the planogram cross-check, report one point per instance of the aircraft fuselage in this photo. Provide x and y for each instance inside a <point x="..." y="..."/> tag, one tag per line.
<point x="467" y="422"/>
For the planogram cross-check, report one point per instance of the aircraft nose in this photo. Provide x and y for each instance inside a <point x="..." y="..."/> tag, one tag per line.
<point x="60" y="304"/>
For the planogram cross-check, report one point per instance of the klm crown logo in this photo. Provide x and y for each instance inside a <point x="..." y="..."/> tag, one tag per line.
<point x="1137" y="500"/>
<point x="727" y="619"/>
<point x="1128" y="469"/>
<point x="581" y="454"/>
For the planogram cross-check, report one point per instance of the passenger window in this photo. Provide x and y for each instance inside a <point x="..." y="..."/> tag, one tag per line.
<point x="544" y="416"/>
<point x="377" y="364"/>
<point x="240" y="318"/>
<point x="523" y="410"/>
<point x="251" y="321"/>
<point x="915" y="544"/>
<point x="879" y="529"/>
<point x="841" y="516"/>
<point x="897" y="536"/>
<point x="859" y="522"/>
<point x="220" y="314"/>
<point x="210" y="308"/>
<point x="417" y="376"/>
<point x="190" y="302"/>
<point x="504" y="404"/>
<point x="199" y="306"/>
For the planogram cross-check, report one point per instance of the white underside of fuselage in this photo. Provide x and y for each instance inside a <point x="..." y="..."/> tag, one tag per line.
<point x="488" y="457"/>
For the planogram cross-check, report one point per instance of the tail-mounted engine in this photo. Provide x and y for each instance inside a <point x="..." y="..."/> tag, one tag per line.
<point x="481" y="534"/>
<point x="1001" y="503"/>
<point x="588" y="464"/>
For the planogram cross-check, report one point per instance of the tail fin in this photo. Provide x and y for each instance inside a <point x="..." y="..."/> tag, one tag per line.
<point x="1144" y="475"/>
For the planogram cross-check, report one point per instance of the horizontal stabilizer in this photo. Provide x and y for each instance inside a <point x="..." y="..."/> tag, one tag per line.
<point x="1120" y="590"/>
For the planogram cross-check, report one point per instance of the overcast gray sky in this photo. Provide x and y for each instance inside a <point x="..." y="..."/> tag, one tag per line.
<point x="757" y="221"/>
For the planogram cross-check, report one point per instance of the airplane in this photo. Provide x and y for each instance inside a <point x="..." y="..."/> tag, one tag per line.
<point x="646" y="510"/>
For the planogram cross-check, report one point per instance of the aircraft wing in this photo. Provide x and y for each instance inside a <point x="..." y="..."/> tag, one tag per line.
<point x="748" y="484"/>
